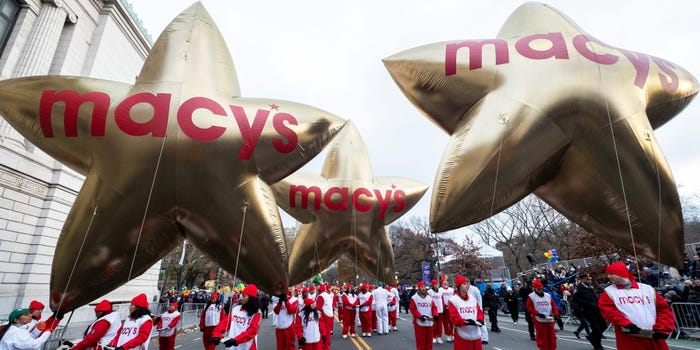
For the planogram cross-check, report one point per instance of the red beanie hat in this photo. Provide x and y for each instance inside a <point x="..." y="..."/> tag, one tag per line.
<point x="140" y="301"/>
<point x="322" y="288"/>
<point x="460" y="280"/>
<point x="433" y="282"/>
<point x="250" y="290"/>
<point x="103" y="306"/>
<point x="308" y="301"/>
<point x="537" y="284"/>
<point x="174" y="304"/>
<point x="35" y="305"/>
<point x="420" y="284"/>
<point x="215" y="296"/>
<point x="618" y="269"/>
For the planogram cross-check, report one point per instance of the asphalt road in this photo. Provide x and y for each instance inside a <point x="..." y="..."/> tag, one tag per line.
<point x="512" y="337"/>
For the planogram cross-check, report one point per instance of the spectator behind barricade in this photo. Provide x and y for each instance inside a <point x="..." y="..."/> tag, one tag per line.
<point x="672" y="297"/>
<point x="695" y="267"/>
<point x="694" y="292"/>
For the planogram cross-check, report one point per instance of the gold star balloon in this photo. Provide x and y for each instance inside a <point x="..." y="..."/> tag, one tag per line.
<point x="176" y="155"/>
<point x="546" y="108"/>
<point x="344" y="210"/>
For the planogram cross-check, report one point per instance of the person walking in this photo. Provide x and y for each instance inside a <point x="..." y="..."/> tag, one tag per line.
<point x="447" y="292"/>
<point x="543" y="310"/>
<point x="286" y="311"/>
<point x="310" y="328"/>
<point x="209" y="320"/>
<point x="16" y="336"/>
<point x="365" y="298"/>
<point x="102" y="330"/>
<point x="524" y="294"/>
<point x="424" y="312"/>
<point x="642" y="318"/>
<point x="585" y="300"/>
<point x="435" y="294"/>
<point x="511" y="300"/>
<point x="350" y="305"/>
<point x="492" y="303"/>
<point x="239" y="329"/>
<point x="324" y="304"/>
<point x="466" y="315"/>
<point x="381" y="299"/>
<point x="167" y="327"/>
<point x="135" y="332"/>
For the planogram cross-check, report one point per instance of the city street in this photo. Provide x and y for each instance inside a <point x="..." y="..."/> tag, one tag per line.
<point x="511" y="337"/>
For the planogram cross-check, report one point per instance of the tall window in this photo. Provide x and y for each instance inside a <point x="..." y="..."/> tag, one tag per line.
<point x="8" y="13"/>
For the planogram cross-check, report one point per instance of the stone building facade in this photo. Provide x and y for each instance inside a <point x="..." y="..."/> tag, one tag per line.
<point x="92" y="38"/>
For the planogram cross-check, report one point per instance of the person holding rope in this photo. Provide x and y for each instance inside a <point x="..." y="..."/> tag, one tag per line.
<point x="642" y="318"/>
<point x="424" y="313"/>
<point x="467" y="316"/>
<point x="324" y="303"/>
<point x="350" y="305"/>
<point x="240" y="327"/>
<point x="286" y="311"/>
<point x="167" y="327"/>
<point x="311" y="330"/>
<point x="15" y="335"/>
<point x="136" y="330"/>
<point x="543" y="310"/>
<point x="103" y="330"/>
<point x="209" y="320"/>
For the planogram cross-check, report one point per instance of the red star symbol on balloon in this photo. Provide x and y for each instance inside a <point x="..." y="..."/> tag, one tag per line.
<point x="546" y="108"/>
<point x="176" y="155"/>
<point x="344" y="210"/>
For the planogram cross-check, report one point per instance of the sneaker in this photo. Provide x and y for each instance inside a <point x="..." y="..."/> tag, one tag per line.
<point x="434" y="340"/>
<point x="369" y="335"/>
<point x="439" y="340"/>
<point x="345" y="336"/>
<point x="515" y="323"/>
<point x="497" y="330"/>
<point x="396" y="328"/>
<point x="353" y="335"/>
<point x="484" y="342"/>
<point x="576" y="333"/>
<point x="532" y="337"/>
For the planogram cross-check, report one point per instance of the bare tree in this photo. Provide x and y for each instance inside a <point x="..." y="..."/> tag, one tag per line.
<point x="412" y="246"/>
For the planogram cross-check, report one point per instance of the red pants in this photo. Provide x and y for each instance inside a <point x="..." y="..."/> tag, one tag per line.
<point x="313" y="346"/>
<point x="545" y="337"/>
<point x="349" y="323"/>
<point x="340" y="313"/>
<point x="167" y="343"/>
<point x="285" y="338"/>
<point x="328" y="322"/>
<point x="437" y="329"/>
<point x="374" y="320"/>
<point x="446" y="324"/>
<point x="392" y="318"/>
<point x="206" y="338"/>
<point x="463" y="344"/>
<point x="424" y="337"/>
<point x="366" y="321"/>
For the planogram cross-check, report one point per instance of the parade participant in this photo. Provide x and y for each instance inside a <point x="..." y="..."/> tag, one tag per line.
<point x="642" y="318"/>
<point x="434" y="293"/>
<point x="397" y="304"/>
<point x="103" y="330"/>
<point x="274" y="300"/>
<point x="16" y="336"/>
<point x="466" y="315"/>
<point x="286" y="311"/>
<point x="586" y="300"/>
<point x="36" y="308"/>
<point x="238" y="330"/>
<point x="324" y="303"/>
<point x="391" y="308"/>
<point x="350" y="303"/>
<point x="543" y="310"/>
<point x="310" y="328"/>
<point x="473" y="291"/>
<point x="338" y="302"/>
<point x="524" y="293"/>
<point x="381" y="299"/>
<point x="209" y="320"/>
<point x="312" y="293"/>
<point x="492" y="303"/>
<point x="365" y="298"/>
<point x="135" y="332"/>
<point x="167" y="327"/>
<point x="511" y="301"/>
<point x="424" y="313"/>
<point x="370" y="289"/>
<point x="446" y="291"/>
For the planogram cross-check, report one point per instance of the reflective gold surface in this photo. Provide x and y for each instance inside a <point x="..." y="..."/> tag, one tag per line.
<point x="344" y="210"/>
<point x="545" y="108"/>
<point x="177" y="155"/>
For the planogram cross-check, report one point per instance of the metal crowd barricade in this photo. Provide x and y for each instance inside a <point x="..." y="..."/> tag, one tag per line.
<point x="687" y="316"/>
<point x="190" y="313"/>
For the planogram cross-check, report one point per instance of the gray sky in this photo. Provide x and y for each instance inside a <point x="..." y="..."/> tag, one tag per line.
<point x="328" y="54"/>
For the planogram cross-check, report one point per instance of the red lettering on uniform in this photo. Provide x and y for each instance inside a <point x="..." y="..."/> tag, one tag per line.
<point x="72" y="103"/>
<point x="475" y="53"/>
<point x="278" y="122"/>
<point x="156" y="126"/>
<point x="558" y="49"/>
<point x="250" y="134"/>
<point x="184" y="119"/>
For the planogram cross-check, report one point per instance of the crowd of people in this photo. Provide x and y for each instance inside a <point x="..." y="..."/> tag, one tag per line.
<point x="304" y="316"/>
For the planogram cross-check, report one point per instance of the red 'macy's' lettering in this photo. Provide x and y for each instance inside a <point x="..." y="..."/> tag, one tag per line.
<point x="340" y="199"/>
<point x="157" y="122"/>
<point x="558" y="50"/>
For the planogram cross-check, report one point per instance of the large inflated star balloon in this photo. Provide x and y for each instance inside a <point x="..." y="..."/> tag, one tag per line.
<point x="344" y="211"/>
<point x="178" y="154"/>
<point x="545" y="108"/>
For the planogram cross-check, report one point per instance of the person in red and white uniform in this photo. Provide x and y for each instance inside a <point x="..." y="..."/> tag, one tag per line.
<point x="435" y="293"/>
<point x="635" y="308"/>
<point x="466" y="314"/>
<point x="103" y="330"/>
<point x="397" y="305"/>
<point x="286" y="311"/>
<point x="209" y="320"/>
<point x="351" y="304"/>
<point x="135" y="332"/>
<point x="425" y="313"/>
<point x="543" y="310"/>
<point x="167" y="327"/>
<point x="310" y="328"/>
<point x="447" y="292"/>
<point x="338" y="302"/>
<point x="365" y="298"/>
<point x="239" y="329"/>
<point x="324" y="303"/>
<point x="36" y="327"/>
<point x="392" y="306"/>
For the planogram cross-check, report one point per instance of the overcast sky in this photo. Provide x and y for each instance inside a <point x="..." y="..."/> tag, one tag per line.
<point x="328" y="54"/>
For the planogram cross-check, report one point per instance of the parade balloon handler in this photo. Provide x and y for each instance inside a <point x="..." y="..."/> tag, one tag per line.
<point x="102" y="331"/>
<point x="424" y="313"/>
<point x="209" y="320"/>
<point x="543" y="310"/>
<point x="311" y="331"/>
<point x="239" y="329"/>
<point x="166" y="326"/>
<point x="15" y="336"/>
<point x="136" y="330"/>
